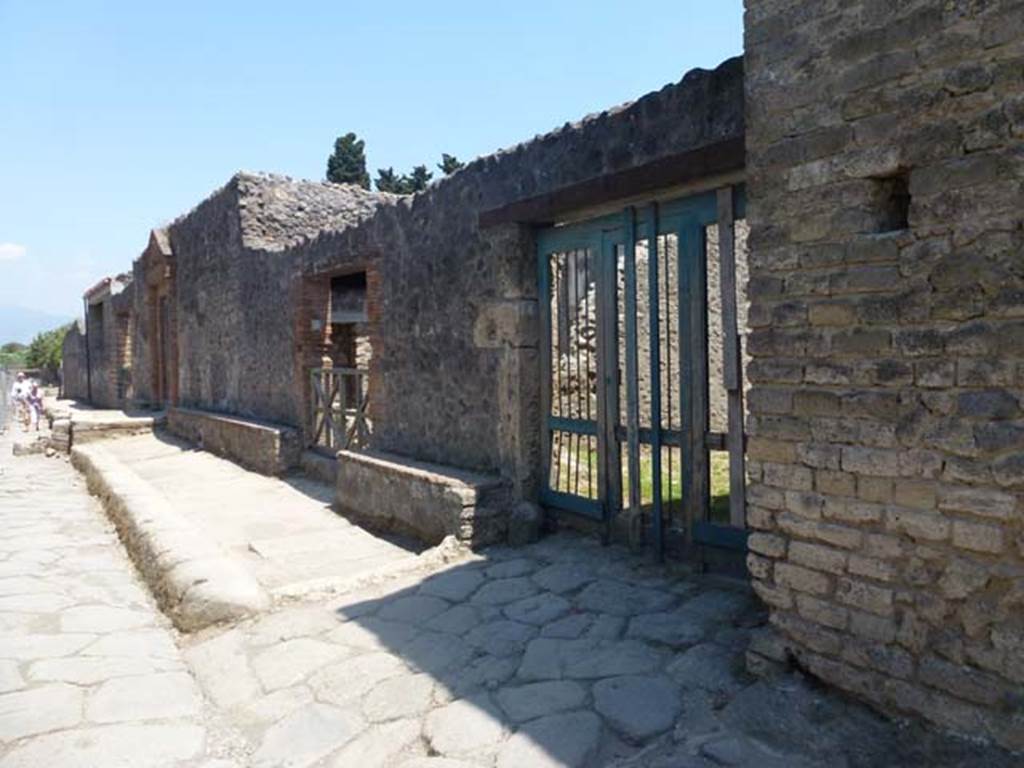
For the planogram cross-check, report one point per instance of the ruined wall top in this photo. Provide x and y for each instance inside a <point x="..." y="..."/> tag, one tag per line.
<point x="275" y="212"/>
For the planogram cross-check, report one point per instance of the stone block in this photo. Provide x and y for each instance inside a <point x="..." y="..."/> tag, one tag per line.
<point x="871" y="567"/>
<point x="766" y="544"/>
<point x="978" y="537"/>
<point x="835" y="483"/>
<point x="925" y="526"/>
<point x="802" y="579"/>
<point x="818" y="557"/>
<point x="983" y="502"/>
<point x="822" y="612"/>
<point x="428" y="501"/>
<point x="525" y="523"/>
<point x="271" y="449"/>
<point x="867" y="597"/>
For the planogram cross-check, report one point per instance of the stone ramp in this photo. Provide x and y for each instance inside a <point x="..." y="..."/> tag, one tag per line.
<point x="283" y="532"/>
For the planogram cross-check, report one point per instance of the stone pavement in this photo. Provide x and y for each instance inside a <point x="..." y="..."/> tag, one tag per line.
<point x="562" y="653"/>
<point x="283" y="531"/>
<point x="90" y="673"/>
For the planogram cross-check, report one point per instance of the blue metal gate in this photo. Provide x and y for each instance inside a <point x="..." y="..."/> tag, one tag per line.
<point x="626" y="309"/>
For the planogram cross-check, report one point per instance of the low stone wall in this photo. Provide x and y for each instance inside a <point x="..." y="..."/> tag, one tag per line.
<point x="427" y="501"/>
<point x="266" y="448"/>
<point x="321" y="467"/>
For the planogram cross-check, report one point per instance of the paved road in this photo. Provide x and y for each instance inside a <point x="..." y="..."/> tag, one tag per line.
<point x="90" y="672"/>
<point x="559" y="654"/>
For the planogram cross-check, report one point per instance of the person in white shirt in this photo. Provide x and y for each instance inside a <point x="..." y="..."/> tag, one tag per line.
<point x="19" y="398"/>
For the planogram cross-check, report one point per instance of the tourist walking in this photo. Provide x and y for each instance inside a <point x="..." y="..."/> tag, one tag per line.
<point x="19" y="393"/>
<point x="34" y="403"/>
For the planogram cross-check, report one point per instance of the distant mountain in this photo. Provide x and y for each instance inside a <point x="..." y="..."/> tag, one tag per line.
<point x="21" y="324"/>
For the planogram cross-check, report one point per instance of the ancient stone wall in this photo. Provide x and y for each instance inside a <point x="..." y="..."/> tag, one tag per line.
<point x="108" y="338"/>
<point x="455" y="373"/>
<point x="234" y="282"/>
<point x="887" y="284"/>
<point x="74" y="385"/>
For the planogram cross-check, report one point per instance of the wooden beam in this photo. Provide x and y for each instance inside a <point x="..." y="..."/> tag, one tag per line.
<point x="681" y="168"/>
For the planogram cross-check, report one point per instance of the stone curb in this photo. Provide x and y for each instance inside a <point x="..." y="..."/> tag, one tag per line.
<point x="195" y="581"/>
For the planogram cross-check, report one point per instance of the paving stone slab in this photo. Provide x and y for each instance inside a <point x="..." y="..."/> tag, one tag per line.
<point x="502" y="591"/>
<point x="710" y="667"/>
<point x="221" y="665"/>
<point x="265" y="710"/>
<point x="564" y="577"/>
<point x="10" y="677"/>
<point x="42" y="646"/>
<point x="291" y="623"/>
<point x="379" y="746"/>
<point x="569" y="627"/>
<point x="146" y="697"/>
<point x="156" y="643"/>
<point x="305" y="736"/>
<point x="455" y="585"/>
<point x="437" y="654"/>
<point x="534" y="700"/>
<point x="672" y="628"/>
<point x="637" y="707"/>
<point x="502" y="637"/>
<point x="620" y="599"/>
<point x="372" y="633"/>
<point x="465" y="728"/>
<point x="483" y="672"/>
<point x="46" y="708"/>
<point x="348" y="681"/>
<point x="538" y="609"/>
<point x="457" y="620"/>
<point x="103" y="618"/>
<point x="290" y="662"/>
<point x="86" y="670"/>
<point x="111" y="746"/>
<point x="519" y="566"/>
<point x="560" y="741"/>
<point x="583" y="659"/>
<point x="413" y="609"/>
<point x="399" y="697"/>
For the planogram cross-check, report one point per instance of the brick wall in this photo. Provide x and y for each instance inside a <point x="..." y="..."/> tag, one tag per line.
<point x="885" y="173"/>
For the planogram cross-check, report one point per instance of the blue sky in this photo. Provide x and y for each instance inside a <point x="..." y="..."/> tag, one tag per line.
<point x="116" y="117"/>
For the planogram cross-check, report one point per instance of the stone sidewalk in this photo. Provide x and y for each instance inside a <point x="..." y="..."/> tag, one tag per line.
<point x="283" y="531"/>
<point x="562" y="653"/>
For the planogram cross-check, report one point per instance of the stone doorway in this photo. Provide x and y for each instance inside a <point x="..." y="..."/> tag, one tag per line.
<point x="642" y="372"/>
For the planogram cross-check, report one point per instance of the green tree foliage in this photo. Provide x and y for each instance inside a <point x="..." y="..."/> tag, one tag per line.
<point x="44" y="352"/>
<point x="406" y="184"/>
<point x="347" y="164"/>
<point x="450" y="164"/>
<point x="419" y="178"/>
<point x="12" y="355"/>
<point x="388" y="181"/>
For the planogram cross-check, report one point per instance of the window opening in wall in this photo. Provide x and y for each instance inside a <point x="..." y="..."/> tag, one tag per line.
<point x="891" y="203"/>
<point x="340" y="394"/>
